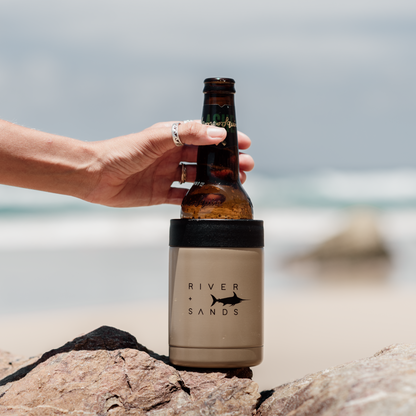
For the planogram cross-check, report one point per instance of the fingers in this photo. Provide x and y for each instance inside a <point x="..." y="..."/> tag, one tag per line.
<point x="168" y="124"/>
<point x="175" y="196"/>
<point x="246" y="165"/>
<point x="190" y="173"/>
<point x="244" y="141"/>
<point x="159" y="137"/>
<point x="246" y="162"/>
<point x="195" y="126"/>
<point x="201" y="134"/>
<point x="189" y="154"/>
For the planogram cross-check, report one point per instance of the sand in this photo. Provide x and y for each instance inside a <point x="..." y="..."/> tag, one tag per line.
<point x="305" y="331"/>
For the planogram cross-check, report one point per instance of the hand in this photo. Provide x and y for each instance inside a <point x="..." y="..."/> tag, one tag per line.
<point x="139" y="169"/>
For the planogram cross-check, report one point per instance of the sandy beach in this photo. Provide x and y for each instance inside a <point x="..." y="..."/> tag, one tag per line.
<point x="304" y="332"/>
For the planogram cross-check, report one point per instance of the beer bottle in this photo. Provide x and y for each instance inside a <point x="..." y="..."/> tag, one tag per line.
<point x="217" y="192"/>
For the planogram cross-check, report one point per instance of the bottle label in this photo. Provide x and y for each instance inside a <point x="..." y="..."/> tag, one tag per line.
<point x="215" y="115"/>
<point x="216" y="297"/>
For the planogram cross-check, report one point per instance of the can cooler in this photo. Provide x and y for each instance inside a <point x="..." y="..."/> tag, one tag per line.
<point x="216" y="293"/>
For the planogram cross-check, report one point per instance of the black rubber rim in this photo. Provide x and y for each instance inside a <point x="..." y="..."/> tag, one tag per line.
<point x="216" y="233"/>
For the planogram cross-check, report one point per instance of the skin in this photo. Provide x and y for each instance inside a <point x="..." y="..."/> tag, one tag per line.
<point x="127" y="171"/>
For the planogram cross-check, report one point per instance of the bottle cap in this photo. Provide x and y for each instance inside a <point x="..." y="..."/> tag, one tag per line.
<point x="219" y="85"/>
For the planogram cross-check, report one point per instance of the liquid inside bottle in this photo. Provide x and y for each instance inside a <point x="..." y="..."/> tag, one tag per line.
<point x="217" y="192"/>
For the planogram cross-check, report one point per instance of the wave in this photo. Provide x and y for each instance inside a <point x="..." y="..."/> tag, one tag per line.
<point x="336" y="189"/>
<point x="383" y="189"/>
<point x="15" y="200"/>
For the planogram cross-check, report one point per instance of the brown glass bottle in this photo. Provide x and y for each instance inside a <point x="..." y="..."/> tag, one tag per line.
<point x="217" y="192"/>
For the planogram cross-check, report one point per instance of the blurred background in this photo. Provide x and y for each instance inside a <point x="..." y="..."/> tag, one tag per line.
<point x="326" y="91"/>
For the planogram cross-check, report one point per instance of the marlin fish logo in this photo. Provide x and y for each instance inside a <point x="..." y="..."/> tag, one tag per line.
<point x="232" y="300"/>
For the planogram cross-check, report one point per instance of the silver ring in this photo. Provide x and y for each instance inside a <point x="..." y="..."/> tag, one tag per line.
<point x="183" y="173"/>
<point x="175" y="134"/>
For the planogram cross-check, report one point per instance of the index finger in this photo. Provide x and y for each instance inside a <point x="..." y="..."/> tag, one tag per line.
<point x="244" y="141"/>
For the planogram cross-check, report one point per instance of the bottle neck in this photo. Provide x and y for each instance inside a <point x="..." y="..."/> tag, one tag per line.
<point x="219" y="163"/>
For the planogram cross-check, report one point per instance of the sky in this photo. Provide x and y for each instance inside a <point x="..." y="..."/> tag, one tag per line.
<point x="321" y="84"/>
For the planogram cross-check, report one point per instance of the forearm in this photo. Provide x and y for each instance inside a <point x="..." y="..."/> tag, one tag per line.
<point x="46" y="162"/>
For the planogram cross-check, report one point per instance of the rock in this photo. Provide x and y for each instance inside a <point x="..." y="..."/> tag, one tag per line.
<point x="10" y="363"/>
<point x="6" y="363"/>
<point x="356" y="254"/>
<point x="361" y="239"/>
<point x="382" y="385"/>
<point x="108" y="372"/>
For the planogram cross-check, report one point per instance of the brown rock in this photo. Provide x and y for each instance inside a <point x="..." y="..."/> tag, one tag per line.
<point x="360" y="239"/>
<point x="357" y="254"/>
<point x="108" y="372"/>
<point x="6" y="363"/>
<point x="10" y="363"/>
<point x="382" y="385"/>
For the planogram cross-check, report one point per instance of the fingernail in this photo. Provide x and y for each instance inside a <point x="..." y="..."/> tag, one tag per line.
<point x="215" y="132"/>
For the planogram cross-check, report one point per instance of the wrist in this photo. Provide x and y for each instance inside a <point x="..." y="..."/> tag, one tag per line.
<point x="84" y="170"/>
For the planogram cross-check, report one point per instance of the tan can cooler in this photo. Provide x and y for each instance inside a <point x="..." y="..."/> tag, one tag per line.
<point x="216" y="293"/>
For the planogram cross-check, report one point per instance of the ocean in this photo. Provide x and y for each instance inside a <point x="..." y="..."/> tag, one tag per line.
<point x="58" y="252"/>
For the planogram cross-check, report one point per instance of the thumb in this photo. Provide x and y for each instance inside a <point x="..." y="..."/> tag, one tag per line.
<point x="201" y="134"/>
<point x="192" y="133"/>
